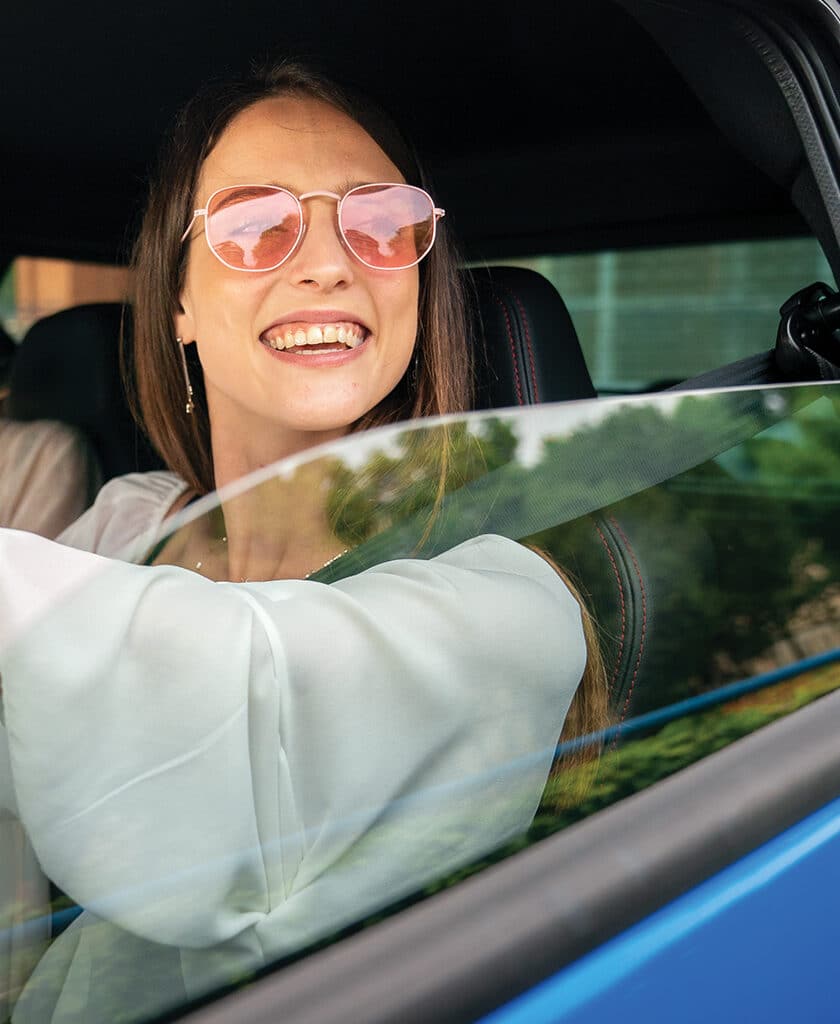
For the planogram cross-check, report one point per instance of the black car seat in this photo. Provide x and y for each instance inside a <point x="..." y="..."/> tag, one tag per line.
<point x="67" y="366"/>
<point x="532" y="354"/>
<point x="67" y="369"/>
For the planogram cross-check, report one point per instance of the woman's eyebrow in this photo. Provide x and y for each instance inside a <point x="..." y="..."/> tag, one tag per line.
<point x="237" y="195"/>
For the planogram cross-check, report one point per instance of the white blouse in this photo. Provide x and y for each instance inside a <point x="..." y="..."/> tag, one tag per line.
<point x="206" y="763"/>
<point x="126" y="516"/>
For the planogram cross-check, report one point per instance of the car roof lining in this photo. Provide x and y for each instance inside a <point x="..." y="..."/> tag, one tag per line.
<point x="740" y="58"/>
<point x="525" y="139"/>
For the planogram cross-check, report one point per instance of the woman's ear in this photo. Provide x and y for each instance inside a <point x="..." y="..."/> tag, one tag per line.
<point x="184" y="325"/>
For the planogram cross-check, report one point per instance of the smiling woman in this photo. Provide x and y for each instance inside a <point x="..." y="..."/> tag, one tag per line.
<point x="272" y="130"/>
<point x="322" y="746"/>
<point x="252" y="388"/>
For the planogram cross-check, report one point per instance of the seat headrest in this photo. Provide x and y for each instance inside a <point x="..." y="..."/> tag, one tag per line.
<point x="531" y="349"/>
<point x="7" y="352"/>
<point x="67" y="369"/>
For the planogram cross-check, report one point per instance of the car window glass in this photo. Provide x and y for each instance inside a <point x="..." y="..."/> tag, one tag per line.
<point x="698" y="527"/>
<point x="687" y="309"/>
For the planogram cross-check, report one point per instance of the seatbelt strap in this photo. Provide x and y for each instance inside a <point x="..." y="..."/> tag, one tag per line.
<point x="807" y="346"/>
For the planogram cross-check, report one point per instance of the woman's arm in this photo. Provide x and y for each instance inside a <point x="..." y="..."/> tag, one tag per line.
<point x="193" y="759"/>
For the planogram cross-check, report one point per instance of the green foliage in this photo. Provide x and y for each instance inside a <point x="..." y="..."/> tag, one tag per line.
<point x="640" y="763"/>
<point x="408" y="484"/>
<point x="736" y="550"/>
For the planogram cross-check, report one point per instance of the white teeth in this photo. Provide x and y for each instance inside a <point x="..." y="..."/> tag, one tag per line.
<point x="348" y="334"/>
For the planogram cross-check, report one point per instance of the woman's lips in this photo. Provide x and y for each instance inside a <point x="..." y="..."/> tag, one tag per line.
<point x="301" y="335"/>
<point x="315" y="344"/>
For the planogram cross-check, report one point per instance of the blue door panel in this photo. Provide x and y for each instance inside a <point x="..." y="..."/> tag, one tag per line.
<point x="760" y="941"/>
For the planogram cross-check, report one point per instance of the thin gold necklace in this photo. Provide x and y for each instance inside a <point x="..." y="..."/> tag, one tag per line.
<point x="329" y="561"/>
<point x="311" y="572"/>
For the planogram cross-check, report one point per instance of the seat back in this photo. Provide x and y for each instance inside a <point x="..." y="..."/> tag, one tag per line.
<point x="67" y="369"/>
<point x="528" y="349"/>
<point x="532" y="354"/>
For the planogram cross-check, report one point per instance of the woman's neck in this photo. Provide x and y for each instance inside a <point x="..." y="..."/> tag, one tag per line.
<point x="232" y="461"/>
<point x="280" y="529"/>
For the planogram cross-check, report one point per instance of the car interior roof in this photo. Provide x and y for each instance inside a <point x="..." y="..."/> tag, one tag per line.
<point x="546" y="126"/>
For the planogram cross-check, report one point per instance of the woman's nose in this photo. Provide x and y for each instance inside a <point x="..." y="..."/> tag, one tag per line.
<point x="321" y="258"/>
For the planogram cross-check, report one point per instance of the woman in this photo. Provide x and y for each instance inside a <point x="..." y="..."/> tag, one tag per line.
<point x="250" y="766"/>
<point x="248" y="404"/>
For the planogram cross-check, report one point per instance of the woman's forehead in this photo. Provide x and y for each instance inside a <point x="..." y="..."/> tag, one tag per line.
<point x="300" y="142"/>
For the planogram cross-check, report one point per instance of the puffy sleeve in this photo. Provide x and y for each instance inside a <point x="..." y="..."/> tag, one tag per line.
<point x="126" y="515"/>
<point x="196" y="760"/>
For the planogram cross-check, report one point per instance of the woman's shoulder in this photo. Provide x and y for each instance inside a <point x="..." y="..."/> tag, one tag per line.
<point x="492" y="552"/>
<point x="491" y="584"/>
<point x="493" y="557"/>
<point x="126" y="510"/>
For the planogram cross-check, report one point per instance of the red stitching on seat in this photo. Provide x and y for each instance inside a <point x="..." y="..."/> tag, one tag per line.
<point x="623" y="606"/>
<point x="644" y="619"/>
<point x="524" y="317"/>
<point x="512" y="349"/>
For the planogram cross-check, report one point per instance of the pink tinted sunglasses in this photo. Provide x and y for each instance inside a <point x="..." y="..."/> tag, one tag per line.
<point x="386" y="226"/>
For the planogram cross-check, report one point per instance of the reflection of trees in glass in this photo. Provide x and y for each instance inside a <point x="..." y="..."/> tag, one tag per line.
<point x="641" y="762"/>
<point x="738" y="550"/>
<point x="426" y="464"/>
<point x="629" y="449"/>
<point x="743" y="566"/>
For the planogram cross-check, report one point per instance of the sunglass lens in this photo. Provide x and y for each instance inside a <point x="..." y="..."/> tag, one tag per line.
<point x="388" y="226"/>
<point x="253" y="228"/>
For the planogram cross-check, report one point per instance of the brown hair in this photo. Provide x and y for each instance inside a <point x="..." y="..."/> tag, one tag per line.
<point x="439" y="378"/>
<point x="573" y="772"/>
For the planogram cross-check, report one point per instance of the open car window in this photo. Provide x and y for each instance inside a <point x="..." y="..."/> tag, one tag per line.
<point x="667" y="298"/>
<point x="698" y="528"/>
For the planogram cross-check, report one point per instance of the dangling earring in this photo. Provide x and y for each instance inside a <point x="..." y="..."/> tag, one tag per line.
<point x="190" y="405"/>
<point x="414" y="369"/>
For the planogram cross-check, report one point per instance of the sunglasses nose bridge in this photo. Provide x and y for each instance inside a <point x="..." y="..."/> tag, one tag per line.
<point x="305" y="218"/>
<point x="320" y="194"/>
